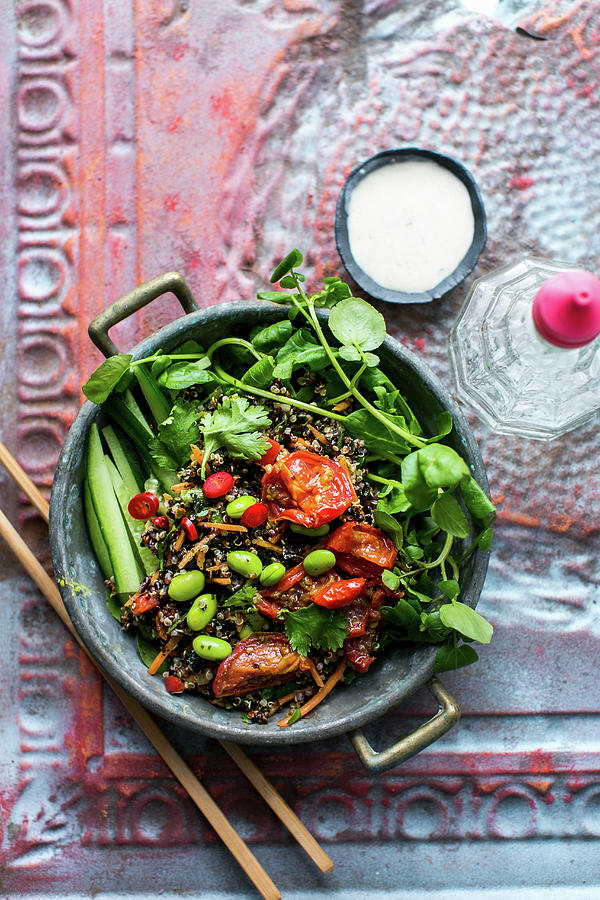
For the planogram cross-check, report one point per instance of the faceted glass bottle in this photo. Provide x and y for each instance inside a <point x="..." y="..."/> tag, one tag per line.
<point x="514" y="379"/>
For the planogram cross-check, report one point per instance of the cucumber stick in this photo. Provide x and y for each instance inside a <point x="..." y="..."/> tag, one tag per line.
<point x="98" y="542"/>
<point x="141" y="434"/>
<point x="156" y="400"/>
<point x="110" y="520"/>
<point x="136" y="526"/>
<point x="132" y="483"/>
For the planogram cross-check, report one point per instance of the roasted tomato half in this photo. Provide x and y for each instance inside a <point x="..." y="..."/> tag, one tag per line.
<point x="262" y="660"/>
<point x="362" y="549"/>
<point x="306" y="488"/>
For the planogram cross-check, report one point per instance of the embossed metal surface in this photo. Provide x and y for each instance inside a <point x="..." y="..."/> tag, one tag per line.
<point x="209" y="138"/>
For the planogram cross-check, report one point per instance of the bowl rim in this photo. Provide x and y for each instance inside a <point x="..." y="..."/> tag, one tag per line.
<point x="464" y="267"/>
<point x="175" y="708"/>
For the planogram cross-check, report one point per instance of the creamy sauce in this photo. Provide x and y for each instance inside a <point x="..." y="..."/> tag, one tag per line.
<point x="410" y="224"/>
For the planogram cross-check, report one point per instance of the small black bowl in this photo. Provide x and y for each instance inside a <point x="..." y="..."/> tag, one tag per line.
<point x="341" y="225"/>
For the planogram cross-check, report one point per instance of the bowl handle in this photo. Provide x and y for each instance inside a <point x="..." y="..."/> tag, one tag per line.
<point x="447" y="715"/>
<point x="170" y="282"/>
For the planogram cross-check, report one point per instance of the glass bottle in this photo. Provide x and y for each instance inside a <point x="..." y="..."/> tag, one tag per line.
<point x="525" y="351"/>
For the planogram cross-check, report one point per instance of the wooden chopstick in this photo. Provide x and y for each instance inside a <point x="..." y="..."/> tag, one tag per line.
<point x="245" y="764"/>
<point x="174" y="761"/>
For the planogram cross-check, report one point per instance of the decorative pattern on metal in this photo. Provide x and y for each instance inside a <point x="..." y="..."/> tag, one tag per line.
<point x="211" y="138"/>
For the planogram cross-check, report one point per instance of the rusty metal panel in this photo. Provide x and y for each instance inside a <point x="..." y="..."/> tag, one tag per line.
<point x="211" y="138"/>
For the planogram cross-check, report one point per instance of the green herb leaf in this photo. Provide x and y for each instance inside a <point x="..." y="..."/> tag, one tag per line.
<point x="274" y="296"/>
<point x="349" y="353"/>
<point x="243" y="599"/>
<point x="273" y="336"/>
<point x="114" y="607"/>
<point x="477" y="502"/>
<point x="443" y="426"/>
<point x="293" y="259"/>
<point x="300" y="350"/>
<point x="390" y="525"/>
<point x="403" y="615"/>
<point x="238" y="427"/>
<point x="260" y="375"/>
<point x="355" y="322"/>
<point x="441" y="466"/>
<point x="172" y="446"/>
<point x="378" y="438"/>
<point x="450" y="657"/>
<point x="104" y="380"/>
<point x="295" y="716"/>
<point x="315" y="626"/>
<point x="446" y="513"/>
<point x="484" y="542"/>
<point x="147" y="651"/>
<point x="465" y="620"/>
<point x="449" y="589"/>
<point x="185" y="374"/>
<point x="417" y="491"/>
<point x="390" y="580"/>
<point x="433" y="626"/>
<point x="395" y="501"/>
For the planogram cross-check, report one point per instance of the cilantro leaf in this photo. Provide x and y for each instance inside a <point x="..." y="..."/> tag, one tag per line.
<point x="236" y="426"/>
<point x="172" y="446"/>
<point x="243" y="598"/>
<point x="315" y="626"/>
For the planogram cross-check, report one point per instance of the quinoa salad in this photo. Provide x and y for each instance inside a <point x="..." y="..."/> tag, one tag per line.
<point x="270" y="517"/>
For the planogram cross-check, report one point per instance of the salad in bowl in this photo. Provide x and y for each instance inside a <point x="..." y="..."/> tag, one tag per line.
<point x="269" y="514"/>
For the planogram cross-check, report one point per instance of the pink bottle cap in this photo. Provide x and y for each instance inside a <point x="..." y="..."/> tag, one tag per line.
<point x="566" y="309"/>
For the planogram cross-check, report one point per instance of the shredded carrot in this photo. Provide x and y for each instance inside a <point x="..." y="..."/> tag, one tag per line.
<point x="268" y="545"/>
<point x="344" y="464"/>
<point x="220" y="526"/>
<point x="178" y="543"/>
<point x="162" y="655"/>
<point x="182" y="486"/>
<point x="219" y="580"/>
<point x="218" y="568"/>
<point x="309" y="666"/>
<point x="281" y="702"/>
<point x="319" y="696"/>
<point x="196" y="454"/>
<point x="318" y="434"/>
<point x="339" y="407"/>
<point x="203" y="544"/>
<point x="304" y="443"/>
<point x="131" y="599"/>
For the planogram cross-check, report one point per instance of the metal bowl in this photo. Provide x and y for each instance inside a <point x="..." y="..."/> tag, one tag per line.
<point x="467" y="263"/>
<point x="389" y="681"/>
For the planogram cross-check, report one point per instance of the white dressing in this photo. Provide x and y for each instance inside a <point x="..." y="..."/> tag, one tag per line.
<point x="410" y="224"/>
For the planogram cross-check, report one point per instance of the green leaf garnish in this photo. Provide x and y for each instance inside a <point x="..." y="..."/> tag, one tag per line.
<point x="238" y="427"/>
<point x="105" y="379"/>
<point x="466" y="621"/>
<point x="315" y="626"/>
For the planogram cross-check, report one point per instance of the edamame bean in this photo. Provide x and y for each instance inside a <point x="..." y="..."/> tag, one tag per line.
<point x="310" y="532"/>
<point x="244" y="563"/>
<point x="272" y="574"/>
<point x="318" y="562"/>
<point x="209" y="647"/>
<point x="236" y="508"/>
<point x="201" y="611"/>
<point x="186" y="585"/>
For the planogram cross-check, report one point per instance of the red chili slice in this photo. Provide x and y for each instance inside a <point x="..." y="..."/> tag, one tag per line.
<point x="189" y="528"/>
<point x="362" y="549"/>
<point x="270" y="455"/>
<point x="161" y="522"/>
<point x="306" y="488"/>
<point x="144" y="603"/>
<point x="217" y="485"/>
<point x="174" y="685"/>
<point x="339" y="593"/>
<point x="143" y="506"/>
<point x="255" y="515"/>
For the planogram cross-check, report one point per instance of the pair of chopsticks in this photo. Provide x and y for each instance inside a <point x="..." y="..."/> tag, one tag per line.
<point x="171" y="757"/>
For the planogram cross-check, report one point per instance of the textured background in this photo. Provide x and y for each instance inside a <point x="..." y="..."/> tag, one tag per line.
<point x="211" y="137"/>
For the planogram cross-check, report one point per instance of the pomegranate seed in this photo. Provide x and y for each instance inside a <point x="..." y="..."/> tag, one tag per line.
<point x="217" y="485"/>
<point x="143" y="506"/>
<point x="161" y="522"/>
<point x="255" y="515"/>
<point x="189" y="529"/>
<point x="270" y="455"/>
<point x="174" y="685"/>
